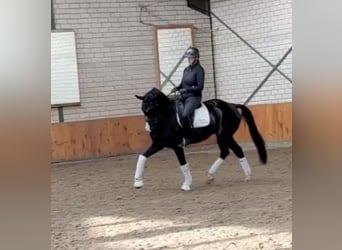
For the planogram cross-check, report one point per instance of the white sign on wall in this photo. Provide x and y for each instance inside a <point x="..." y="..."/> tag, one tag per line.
<point x="64" y="71"/>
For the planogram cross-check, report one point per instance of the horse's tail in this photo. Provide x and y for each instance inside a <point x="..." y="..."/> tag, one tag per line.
<point x="257" y="138"/>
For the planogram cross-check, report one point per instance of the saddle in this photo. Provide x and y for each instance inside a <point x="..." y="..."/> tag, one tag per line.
<point x="200" y="117"/>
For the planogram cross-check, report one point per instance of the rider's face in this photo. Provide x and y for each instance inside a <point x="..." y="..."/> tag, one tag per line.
<point x="191" y="60"/>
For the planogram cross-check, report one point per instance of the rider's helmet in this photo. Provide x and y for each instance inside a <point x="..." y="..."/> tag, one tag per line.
<point x="192" y="52"/>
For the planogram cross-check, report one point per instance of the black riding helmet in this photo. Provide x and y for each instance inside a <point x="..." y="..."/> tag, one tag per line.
<point x="192" y="52"/>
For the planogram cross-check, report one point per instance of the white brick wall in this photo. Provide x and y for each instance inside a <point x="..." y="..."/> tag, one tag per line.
<point x="64" y="74"/>
<point x="267" y="26"/>
<point x="116" y="52"/>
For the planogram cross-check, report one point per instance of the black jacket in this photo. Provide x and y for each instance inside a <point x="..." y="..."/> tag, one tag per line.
<point x="192" y="81"/>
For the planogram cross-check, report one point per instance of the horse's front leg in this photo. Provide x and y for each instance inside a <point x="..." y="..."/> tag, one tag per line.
<point x="139" y="170"/>
<point x="184" y="166"/>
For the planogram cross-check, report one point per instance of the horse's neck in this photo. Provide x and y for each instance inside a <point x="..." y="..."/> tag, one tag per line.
<point x="168" y="111"/>
<point x="164" y="116"/>
<point x="171" y="109"/>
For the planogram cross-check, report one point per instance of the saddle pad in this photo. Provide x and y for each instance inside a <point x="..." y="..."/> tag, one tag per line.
<point x="201" y="118"/>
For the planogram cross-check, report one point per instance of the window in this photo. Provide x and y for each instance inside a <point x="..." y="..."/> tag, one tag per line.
<point x="172" y="42"/>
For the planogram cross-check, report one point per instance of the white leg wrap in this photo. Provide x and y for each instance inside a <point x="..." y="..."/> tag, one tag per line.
<point x="187" y="177"/>
<point x="245" y="167"/>
<point x="216" y="166"/>
<point x="139" y="170"/>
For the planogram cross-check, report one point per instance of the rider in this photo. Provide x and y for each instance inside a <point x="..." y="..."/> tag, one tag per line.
<point x="191" y="88"/>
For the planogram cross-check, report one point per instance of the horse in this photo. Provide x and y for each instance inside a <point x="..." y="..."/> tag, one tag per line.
<point x="160" y="112"/>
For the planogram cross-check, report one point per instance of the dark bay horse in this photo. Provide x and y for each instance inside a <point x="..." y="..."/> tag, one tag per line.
<point x="165" y="131"/>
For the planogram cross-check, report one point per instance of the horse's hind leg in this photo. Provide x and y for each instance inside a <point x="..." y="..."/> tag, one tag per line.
<point x="224" y="152"/>
<point x="242" y="159"/>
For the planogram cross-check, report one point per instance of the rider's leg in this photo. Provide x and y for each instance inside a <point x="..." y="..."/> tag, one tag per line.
<point x="190" y="104"/>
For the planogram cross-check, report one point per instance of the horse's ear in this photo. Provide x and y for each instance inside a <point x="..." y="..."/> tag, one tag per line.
<point x="139" y="97"/>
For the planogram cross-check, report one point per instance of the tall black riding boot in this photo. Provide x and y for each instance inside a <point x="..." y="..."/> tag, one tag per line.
<point x="187" y="129"/>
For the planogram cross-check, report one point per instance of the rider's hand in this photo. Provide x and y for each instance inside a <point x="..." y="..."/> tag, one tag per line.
<point x="174" y="90"/>
<point x="182" y="91"/>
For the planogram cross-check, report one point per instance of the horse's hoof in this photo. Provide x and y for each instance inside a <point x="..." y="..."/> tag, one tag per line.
<point x="210" y="179"/>
<point x="248" y="178"/>
<point x="138" y="184"/>
<point x="186" y="187"/>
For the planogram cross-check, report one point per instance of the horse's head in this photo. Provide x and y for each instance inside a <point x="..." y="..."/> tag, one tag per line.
<point x="154" y="102"/>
